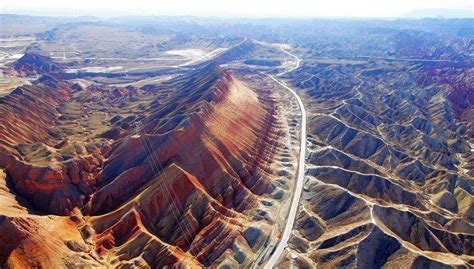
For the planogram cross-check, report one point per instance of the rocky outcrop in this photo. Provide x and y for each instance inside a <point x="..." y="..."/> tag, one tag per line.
<point x="34" y="63"/>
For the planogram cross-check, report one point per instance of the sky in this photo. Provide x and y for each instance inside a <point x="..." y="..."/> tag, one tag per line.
<point x="231" y="8"/>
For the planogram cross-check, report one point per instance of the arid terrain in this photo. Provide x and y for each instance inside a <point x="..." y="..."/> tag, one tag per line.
<point x="150" y="142"/>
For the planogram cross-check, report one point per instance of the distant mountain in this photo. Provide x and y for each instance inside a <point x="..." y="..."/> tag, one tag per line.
<point x="441" y="13"/>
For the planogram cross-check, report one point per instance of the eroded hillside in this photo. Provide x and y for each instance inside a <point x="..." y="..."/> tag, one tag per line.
<point x="179" y="172"/>
<point x="390" y="166"/>
<point x="179" y="142"/>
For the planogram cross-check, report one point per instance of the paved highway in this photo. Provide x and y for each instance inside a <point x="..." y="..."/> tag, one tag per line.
<point x="300" y="176"/>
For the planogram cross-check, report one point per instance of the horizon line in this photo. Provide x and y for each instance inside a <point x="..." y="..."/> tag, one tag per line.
<point x="236" y="16"/>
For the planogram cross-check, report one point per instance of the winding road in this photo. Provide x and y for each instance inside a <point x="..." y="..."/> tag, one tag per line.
<point x="298" y="60"/>
<point x="275" y="256"/>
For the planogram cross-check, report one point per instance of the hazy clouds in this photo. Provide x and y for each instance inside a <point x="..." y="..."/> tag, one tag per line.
<point x="235" y="8"/>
